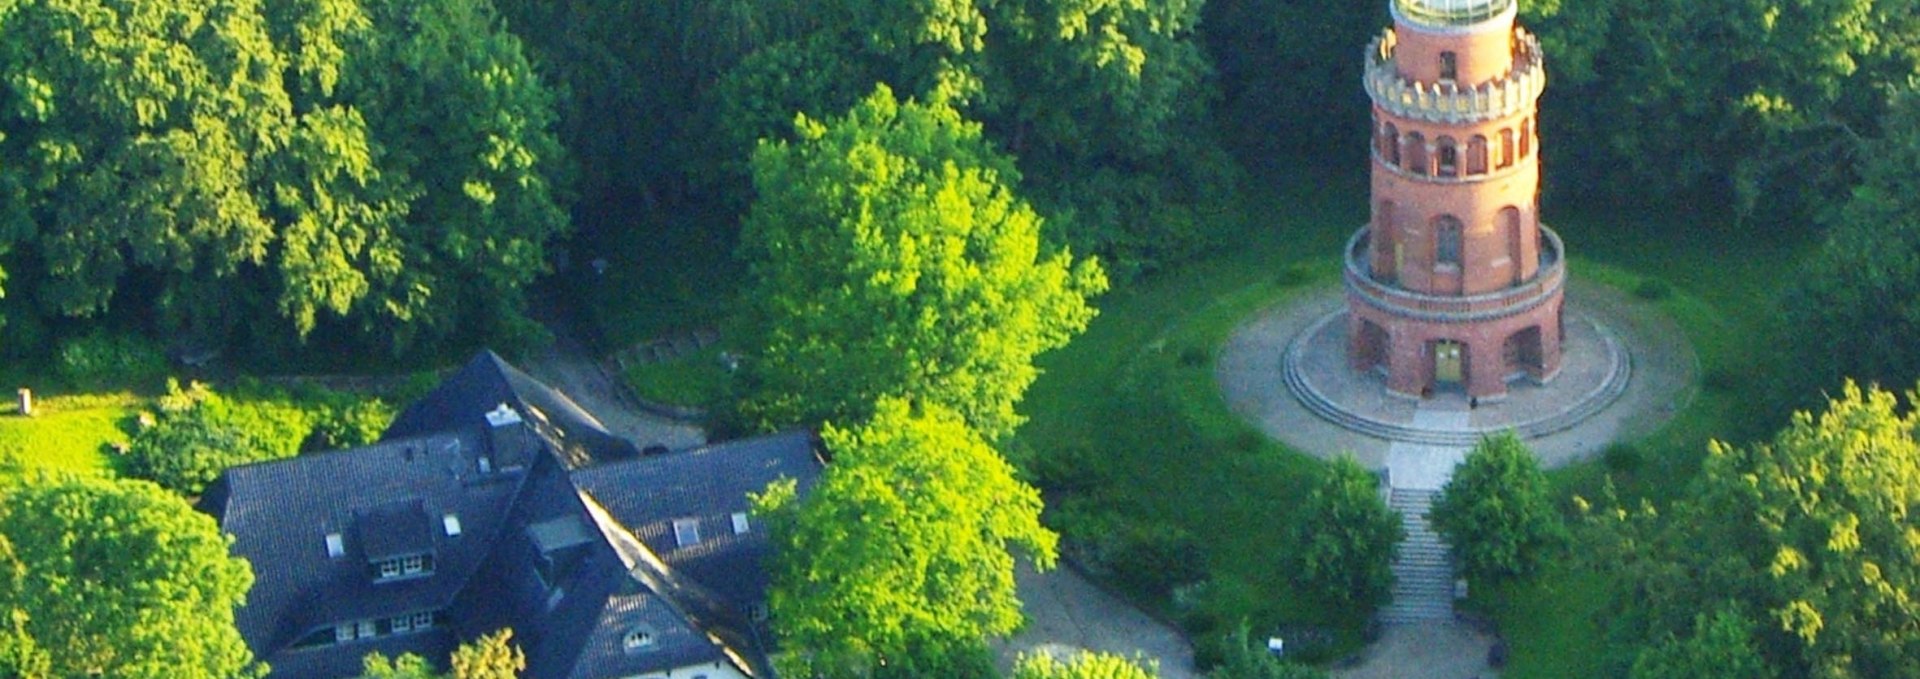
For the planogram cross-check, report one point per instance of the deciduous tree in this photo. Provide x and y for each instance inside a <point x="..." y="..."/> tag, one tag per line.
<point x="1083" y="665"/>
<point x="1341" y="542"/>
<point x="117" y="578"/>
<point x="902" y="554"/>
<point x="891" y="257"/>
<point x="1496" y="513"/>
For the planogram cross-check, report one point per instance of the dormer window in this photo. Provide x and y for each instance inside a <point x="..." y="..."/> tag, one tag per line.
<point x="637" y="639"/>
<point x="403" y="567"/>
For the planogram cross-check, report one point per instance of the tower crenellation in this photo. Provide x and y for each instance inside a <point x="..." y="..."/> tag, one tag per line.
<point x="1453" y="282"/>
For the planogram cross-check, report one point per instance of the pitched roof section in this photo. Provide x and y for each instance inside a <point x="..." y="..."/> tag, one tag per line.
<point x="513" y="535"/>
<point x="466" y="397"/>
<point x="283" y="515"/>
<point x="707" y="485"/>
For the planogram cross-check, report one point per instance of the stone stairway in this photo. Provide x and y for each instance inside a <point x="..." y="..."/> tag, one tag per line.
<point x="1423" y="570"/>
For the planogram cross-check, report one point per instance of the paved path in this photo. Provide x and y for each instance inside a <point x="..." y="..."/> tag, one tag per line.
<point x="566" y="366"/>
<point x="1066" y="613"/>
<point x="1428" y="644"/>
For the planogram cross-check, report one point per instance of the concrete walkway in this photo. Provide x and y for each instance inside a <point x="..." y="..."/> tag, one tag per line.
<point x="1427" y="643"/>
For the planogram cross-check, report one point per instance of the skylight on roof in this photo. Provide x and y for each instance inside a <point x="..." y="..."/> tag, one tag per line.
<point x="686" y="532"/>
<point x="503" y="415"/>
<point x="451" y="522"/>
<point x="739" y="523"/>
<point x="336" y="546"/>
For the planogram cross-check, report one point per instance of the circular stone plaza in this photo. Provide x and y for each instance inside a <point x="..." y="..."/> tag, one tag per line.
<point x="1458" y="316"/>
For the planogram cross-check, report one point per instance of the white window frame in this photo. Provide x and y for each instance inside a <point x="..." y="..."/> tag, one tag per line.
<point x="686" y="532"/>
<point x="740" y="524"/>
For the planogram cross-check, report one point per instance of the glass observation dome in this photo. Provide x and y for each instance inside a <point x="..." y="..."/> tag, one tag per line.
<point x="1451" y="12"/>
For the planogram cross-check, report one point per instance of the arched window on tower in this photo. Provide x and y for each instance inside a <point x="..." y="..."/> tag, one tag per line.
<point x="1390" y="144"/>
<point x="1414" y="151"/>
<point x="1477" y="154"/>
<point x="1526" y="138"/>
<point x="1449" y="157"/>
<point x="1449" y="66"/>
<point x="1446" y="241"/>
<point x="1506" y="147"/>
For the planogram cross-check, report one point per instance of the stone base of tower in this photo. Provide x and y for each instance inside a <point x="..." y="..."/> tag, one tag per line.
<point x="1477" y="343"/>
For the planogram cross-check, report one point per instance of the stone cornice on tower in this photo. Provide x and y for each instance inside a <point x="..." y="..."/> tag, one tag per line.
<point x="1450" y="102"/>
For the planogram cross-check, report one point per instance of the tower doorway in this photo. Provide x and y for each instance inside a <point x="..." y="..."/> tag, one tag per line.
<point x="1449" y="363"/>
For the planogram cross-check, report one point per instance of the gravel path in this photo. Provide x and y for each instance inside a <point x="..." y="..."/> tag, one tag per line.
<point x="1066" y="613"/>
<point x="567" y="366"/>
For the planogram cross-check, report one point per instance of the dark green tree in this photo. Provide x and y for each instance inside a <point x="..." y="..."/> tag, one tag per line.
<point x="1721" y="647"/>
<point x="1497" y="513"/>
<point x="1248" y="659"/>
<point x="1341" y="541"/>
<point x="117" y="578"/>
<point x="900" y="560"/>
<point x="1853" y="311"/>
<point x="890" y="257"/>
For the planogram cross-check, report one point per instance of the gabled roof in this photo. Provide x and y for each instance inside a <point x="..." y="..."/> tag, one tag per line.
<point x="464" y="398"/>
<point x="281" y="514"/>
<point x="707" y="485"/>
<point x="530" y="545"/>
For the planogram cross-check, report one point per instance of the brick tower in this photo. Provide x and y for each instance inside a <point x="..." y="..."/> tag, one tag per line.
<point x="1454" y="284"/>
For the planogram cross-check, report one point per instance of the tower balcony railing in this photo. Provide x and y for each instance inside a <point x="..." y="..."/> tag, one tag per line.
<point x="1451" y="12"/>
<point x="1547" y="282"/>
<point x="1450" y="102"/>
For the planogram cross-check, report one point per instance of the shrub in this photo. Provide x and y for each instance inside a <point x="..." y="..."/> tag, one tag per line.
<point x="196" y="434"/>
<point x="1244" y="658"/>
<point x="1146" y="560"/>
<point x="1623" y="458"/>
<point x="351" y="424"/>
<point x="1652" y="289"/>
<point x="99" y="359"/>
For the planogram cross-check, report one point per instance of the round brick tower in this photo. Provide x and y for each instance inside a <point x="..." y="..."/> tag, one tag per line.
<point x="1454" y="284"/>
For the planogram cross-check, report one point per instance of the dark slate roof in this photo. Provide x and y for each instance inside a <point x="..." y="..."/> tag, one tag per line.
<point x="282" y="512"/>
<point x="466" y="396"/>
<point x="707" y="485"/>
<point x="541" y="548"/>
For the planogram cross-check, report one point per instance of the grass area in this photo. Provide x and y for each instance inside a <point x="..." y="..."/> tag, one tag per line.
<point x="1721" y="292"/>
<point x="697" y="379"/>
<point x="66" y="433"/>
<point x="1127" y="421"/>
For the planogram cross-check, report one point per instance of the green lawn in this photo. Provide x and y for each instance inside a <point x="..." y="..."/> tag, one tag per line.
<point x="1128" y="420"/>
<point x="66" y="433"/>
<point x="695" y="380"/>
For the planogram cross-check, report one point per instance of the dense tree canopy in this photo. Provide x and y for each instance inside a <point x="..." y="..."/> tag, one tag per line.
<point x="890" y="257"/>
<point x="1855" y="309"/>
<point x="1806" y="540"/>
<point x="1495" y="511"/>
<point x="902" y="552"/>
<point x="215" y="163"/>
<point x="117" y="578"/>
<point x="492" y="656"/>
<point x="1341" y="542"/>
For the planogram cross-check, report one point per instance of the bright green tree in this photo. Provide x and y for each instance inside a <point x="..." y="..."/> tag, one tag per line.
<point x="490" y="657"/>
<point x="1341" y="541"/>
<point x="1721" y="647"/>
<point x="196" y="434"/>
<point x="890" y="257"/>
<point x="118" y="578"/>
<point x="1084" y="665"/>
<point x="1812" y="532"/>
<point x="1496" y="511"/>
<point x="902" y="552"/>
